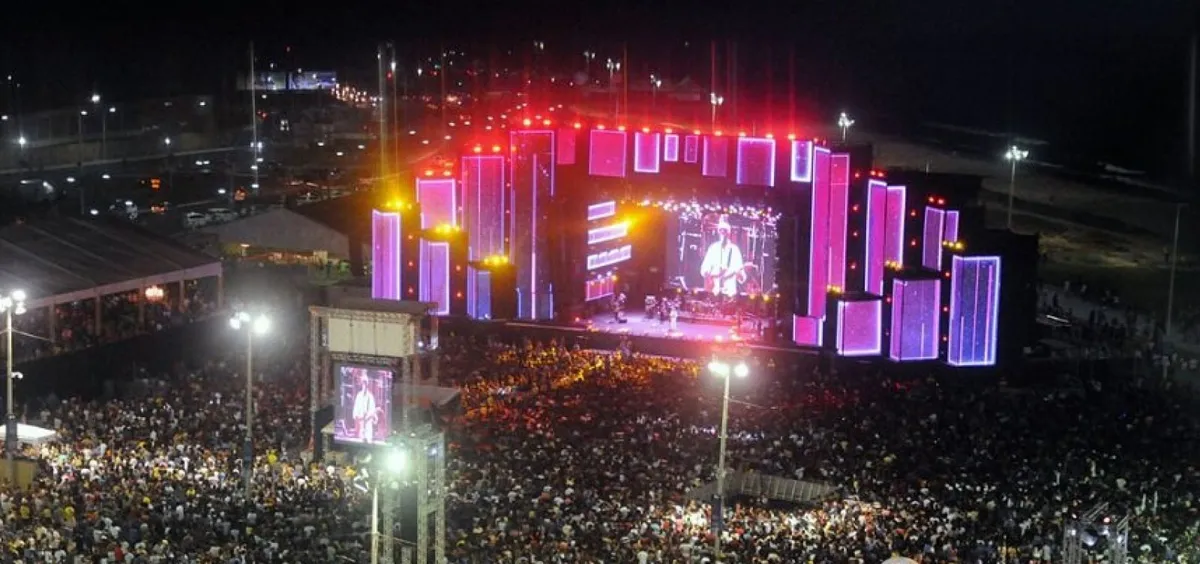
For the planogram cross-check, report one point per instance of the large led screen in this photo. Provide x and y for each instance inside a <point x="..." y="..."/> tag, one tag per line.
<point x="385" y="255"/>
<point x="916" y="318"/>
<point x="974" y="311"/>
<point x="716" y="156"/>
<point x="647" y="152"/>
<point x="607" y="154"/>
<point x="756" y="161"/>
<point x="860" y="328"/>
<point x="363" y="412"/>
<point x="728" y="251"/>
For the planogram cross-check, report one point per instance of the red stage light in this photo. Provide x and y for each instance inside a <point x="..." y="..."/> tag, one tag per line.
<point x="854" y="207"/>
<point x="495" y="148"/>
<point x="645" y="130"/>
<point x="428" y="173"/>
<point x="669" y="130"/>
<point x="446" y="173"/>
<point x="620" y="128"/>
<point x="546" y="122"/>
<point x="600" y="127"/>
<point x="857" y="175"/>
<point x="695" y="132"/>
<point x="791" y="137"/>
<point x="477" y="149"/>
<point x="941" y="201"/>
<point x="741" y="134"/>
<point x="718" y="133"/>
<point x="770" y="136"/>
<point x="527" y="122"/>
<point x="578" y="125"/>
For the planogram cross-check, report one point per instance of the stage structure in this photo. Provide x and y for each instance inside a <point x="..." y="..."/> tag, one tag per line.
<point x="367" y="343"/>
<point x="1096" y="531"/>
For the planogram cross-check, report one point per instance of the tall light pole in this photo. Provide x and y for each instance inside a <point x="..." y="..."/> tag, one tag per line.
<point x="726" y="372"/>
<point x="716" y="102"/>
<point x="655" y="84"/>
<point x="253" y="325"/>
<point x="103" y="122"/>
<point x="588" y="57"/>
<point x="1014" y="155"/>
<point x="394" y="463"/>
<point x="82" y="114"/>
<point x="845" y="123"/>
<point x="11" y="304"/>
<point x="167" y="158"/>
<point x="613" y="68"/>
<point x="1171" y="288"/>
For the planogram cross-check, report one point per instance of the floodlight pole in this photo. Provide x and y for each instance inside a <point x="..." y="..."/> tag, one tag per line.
<point x="375" y="522"/>
<point x="1171" y="288"/>
<point x="249" y="470"/>
<point x="10" y="416"/>
<point x="719" y="504"/>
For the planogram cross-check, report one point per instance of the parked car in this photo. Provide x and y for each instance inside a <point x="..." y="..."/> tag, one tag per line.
<point x="192" y="220"/>
<point x="221" y="215"/>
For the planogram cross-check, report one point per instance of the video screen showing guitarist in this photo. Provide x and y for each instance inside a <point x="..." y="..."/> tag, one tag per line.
<point x="363" y="414"/>
<point x="723" y="269"/>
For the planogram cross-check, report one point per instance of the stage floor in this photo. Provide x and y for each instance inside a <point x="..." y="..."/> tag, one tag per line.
<point x="637" y="325"/>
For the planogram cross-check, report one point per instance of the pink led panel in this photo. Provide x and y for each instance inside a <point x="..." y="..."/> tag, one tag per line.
<point x="385" y="255"/>
<point x="439" y="203"/>
<point x="607" y="155"/>
<point x="610" y="257"/>
<point x="716" y="156"/>
<point x="599" y="288"/>
<point x="671" y="148"/>
<point x="602" y="210"/>
<point x="818" y="241"/>
<point x="931" y="239"/>
<point x="893" y="228"/>
<point x="483" y="184"/>
<point x="435" y="275"/>
<point x="691" y="149"/>
<point x="860" y="328"/>
<point x="916" y="319"/>
<point x="876" y="220"/>
<point x="951" y="230"/>
<point x="647" y="149"/>
<point x="974" y="310"/>
<point x="756" y="161"/>
<point x="565" y="152"/>
<point x="607" y="233"/>
<point x="808" y="331"/>
<point x="801" y="161"/>
<point x="839" y="211"/>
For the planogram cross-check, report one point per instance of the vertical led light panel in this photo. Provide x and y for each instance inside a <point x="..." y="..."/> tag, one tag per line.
<point x="647" y="150"/>
<point x="931" y="240"/>
<point x="860" y="328"/>
<point x="801" y="161"/>
<point x="671" y="148"/>
<point x="916" y="319"/>
<point x="876" y="223"/>
<point x="606" y="156"/>
<point x="565" y="150"/>
<point x="532" y="187"/>
<point x="483" y="220"/>
<point x="691" y="149"/>
<point x="439" y="206"/>
<point x="808" y="331"/>
<point x="716" y="156"/>
<point x="951" y="230"/>
<point x="839" y="211"/>
<point x="818" y="241"/>
<point x="974" y="310"/>
<point x="756" y="161"/>
<point x="385" y="255"/>
<point x="893" y="228"/>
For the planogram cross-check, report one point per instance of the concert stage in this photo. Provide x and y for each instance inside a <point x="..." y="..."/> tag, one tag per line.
<point x="638" y="325"/>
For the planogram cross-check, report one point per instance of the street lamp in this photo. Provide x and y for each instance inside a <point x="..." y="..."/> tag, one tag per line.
<point x="725" y="371"/>
<point x="613" y="68"/>
<point x="1014" y="155"/>
<point x="394" y="462"/>
<point x="588" y="57"/>
<point x="103" y="122"/>
<point x="22" y="141"/>
<point x="655" y="84"/>
<point x="11" y="304"/>
<point x="82" y="114"/>
<point x="844" y="122"/>
<point x="716" y="101"/>
<point x="253" y="325"/>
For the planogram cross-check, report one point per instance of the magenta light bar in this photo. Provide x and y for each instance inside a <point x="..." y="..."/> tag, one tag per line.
<point x="439" y="203"/>
<point x="876" y="222"/>
<point x="974" y="310"/>
<point x="716" y="156"/>
<point x="435" y="275"/>
<point x="671" y="148"/>
<point x="602" y="210"/>
<point x="756" y="161"/>
<point x="860" y="328"/>
<point x="599" y="288"/>
<point x="609" y="258"/>
<point x="691" y="149"/>
<point x="893" y="228"/>
<point x="565" y="151"/>
<point x="818" y="250"/>
<point x="916" y="319"/>
<point x="607" y="233"/>
<point x="839" y="212"/>
<point x="808" y="331"/>
<point x="607" y="155"/>
<point x="647" y="150"/>
<point x="951" y="230"/>
<point x="385" y="255"/>
<point x="801" y="161"/>
<point x="931" y="243"/>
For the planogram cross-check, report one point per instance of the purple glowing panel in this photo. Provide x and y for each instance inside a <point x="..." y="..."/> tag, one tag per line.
<point x="931" y="239"/>
<point x="385" y="255"/>
<point x="607" y="233"/>
<point x="434" y="272"/>
<point x="951" y="228"/>
<point x="610" y="257"/>
<point x="974" y="310"/>
<point x="479" y="293"/>
<point x="818" y="240"/>
<point x="602" y="210"/>
<point x="483" y="204"/>
<point x="876" y="222"/>
<point x="716" y="156"/>
<point x="808" y="331"/>
<point x="756" y="161"/>
<point x="691" y="149"/>
<point x="671" y="148"/>
<point x="801" y="161"/>
<point x="607" y="155"/>
<point x="439" y="203"/>
<point x="893" y="228"/>
<point x="647" y="150"/>
<point x="565" y="151"/>
<point x="860" y="328"/>
<point x="839" y="212"/>
<point x="916" y="319"/>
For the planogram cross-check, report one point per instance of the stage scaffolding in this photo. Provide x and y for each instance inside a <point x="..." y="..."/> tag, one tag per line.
<point x="1091" y="527"/>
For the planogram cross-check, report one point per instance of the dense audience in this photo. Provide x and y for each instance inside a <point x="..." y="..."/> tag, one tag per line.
<point x="563" y="455"/>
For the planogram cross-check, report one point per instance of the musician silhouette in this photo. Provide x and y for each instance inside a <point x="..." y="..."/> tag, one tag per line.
<point x="366" y="416"/>
<point x="723" y="268"/>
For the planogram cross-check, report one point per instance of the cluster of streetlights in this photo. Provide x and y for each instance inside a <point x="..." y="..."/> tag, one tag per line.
<point x="726" y="371"/>
<point x="253" y="325"/>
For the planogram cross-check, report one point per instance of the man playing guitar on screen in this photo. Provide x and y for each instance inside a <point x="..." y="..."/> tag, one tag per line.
<point x="723" y="268"/>
<point x="366" y="415"/>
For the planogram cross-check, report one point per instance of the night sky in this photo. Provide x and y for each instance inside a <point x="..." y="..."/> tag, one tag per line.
<point x="1097" y="77"/>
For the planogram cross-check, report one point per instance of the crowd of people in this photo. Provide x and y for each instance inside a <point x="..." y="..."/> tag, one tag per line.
<point x="567" y="455"/>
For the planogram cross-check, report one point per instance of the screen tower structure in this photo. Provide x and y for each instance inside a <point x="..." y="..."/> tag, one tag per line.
<point x="532" y="169"/>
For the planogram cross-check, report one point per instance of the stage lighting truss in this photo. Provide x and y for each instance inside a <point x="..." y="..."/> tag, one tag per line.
<point x="1096" y="531"/>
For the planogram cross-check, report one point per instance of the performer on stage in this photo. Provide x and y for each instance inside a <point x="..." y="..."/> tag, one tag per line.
<point x="365" y="413"/>
<point x="723" y="268"/>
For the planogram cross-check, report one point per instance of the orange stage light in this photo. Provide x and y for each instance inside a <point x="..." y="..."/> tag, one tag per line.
<point x="645" y="130"/>
<point x="446" y="173"/>
<point x="791" y="137"/>
<point x="495" y="148"/>
<point x="600" y="127"/>
<point x="718" y="133"/>
<point x="770" y="136"/>
<point x="669" y="130"/>
<point x="478" y="149"/>
<point x="527" y="122"/>
<point x="578" y="125"/>
<point x="620" y="128"/>
<point x="741" y="134"/>
<point x="428" y="173"/>
<point x="546" y="122"/>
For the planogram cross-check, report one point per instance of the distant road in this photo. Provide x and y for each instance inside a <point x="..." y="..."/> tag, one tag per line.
<point x="109" y="162"/>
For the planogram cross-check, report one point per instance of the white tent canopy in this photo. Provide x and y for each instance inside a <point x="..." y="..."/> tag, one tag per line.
<point x="899" y="560"/>
<point x="33" y="434"/>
